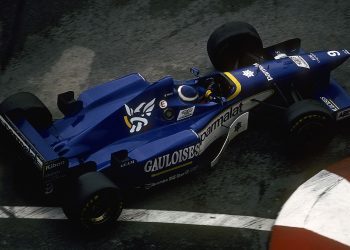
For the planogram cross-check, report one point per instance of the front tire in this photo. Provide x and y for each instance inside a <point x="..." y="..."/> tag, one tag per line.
<point x="309" y="125"/>
<point x="93" y="202"/>
<point x="231" y="46"/>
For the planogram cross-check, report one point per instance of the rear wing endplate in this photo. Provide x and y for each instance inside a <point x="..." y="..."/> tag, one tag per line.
<point x="53" y="168"/>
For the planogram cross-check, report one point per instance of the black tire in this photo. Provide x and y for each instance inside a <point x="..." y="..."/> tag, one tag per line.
<point x="232" y="42"/>
<point x="27" y="105"/>
<point x="93" y="201"/>
<point x="310" y="125"/>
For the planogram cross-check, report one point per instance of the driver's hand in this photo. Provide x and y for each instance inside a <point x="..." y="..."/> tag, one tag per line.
<point x="211" y="97"/>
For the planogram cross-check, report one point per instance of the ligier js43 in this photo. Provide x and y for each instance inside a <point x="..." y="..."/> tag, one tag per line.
<point x="131" y="133"/>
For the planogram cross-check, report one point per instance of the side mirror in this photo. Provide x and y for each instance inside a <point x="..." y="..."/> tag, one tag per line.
<point x="195" y="71"/>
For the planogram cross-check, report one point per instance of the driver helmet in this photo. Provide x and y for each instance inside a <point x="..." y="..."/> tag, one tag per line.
<point x="187" y="93"/>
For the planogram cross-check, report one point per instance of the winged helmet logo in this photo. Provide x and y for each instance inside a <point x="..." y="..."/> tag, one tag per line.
<point x="136" y="118"/>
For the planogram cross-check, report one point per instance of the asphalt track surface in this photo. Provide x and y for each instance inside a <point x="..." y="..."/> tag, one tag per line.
<point x="102" y="40"/>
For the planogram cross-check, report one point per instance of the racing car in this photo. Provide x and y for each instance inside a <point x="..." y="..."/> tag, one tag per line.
<point x="130" y="133"/>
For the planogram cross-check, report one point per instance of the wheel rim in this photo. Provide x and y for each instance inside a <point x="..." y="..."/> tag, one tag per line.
<point x="312" y="132"/>
<point x="100" y="208"/>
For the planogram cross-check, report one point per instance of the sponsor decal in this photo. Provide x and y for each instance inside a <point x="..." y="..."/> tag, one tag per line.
<point x="264" y="71"/>
<point x="127" y="163"/>
<point x="54" y="165"/>
<point x="171" y="178"/>
<point x="313" y="57"/>
<point x="333" y="53"/>
<point x="330" y="103"/>
<point x="280" y="55"/>
<point x="346" y="51"/>
<point x="238" y="126"/>
<point x="300" y="62"/>
<point x="136" y="118"/>
<point x="343" y="114"/>
<point x="163" y="104"/>
<point x="168" y="94"/>
<point x="38" y="160"/>
<point x="185" y="113"/>
<point x="54" y="169"/>
<point x="248" y="73"/>
<point x="220" y="124"/>
<point x="164" y="162"/>
<point x="223" y="119"/>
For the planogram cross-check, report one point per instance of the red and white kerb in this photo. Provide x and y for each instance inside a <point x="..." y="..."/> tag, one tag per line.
<point x="317" y="215"/>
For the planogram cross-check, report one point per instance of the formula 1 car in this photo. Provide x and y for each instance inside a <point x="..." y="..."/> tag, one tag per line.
<point x="131" y="133"/>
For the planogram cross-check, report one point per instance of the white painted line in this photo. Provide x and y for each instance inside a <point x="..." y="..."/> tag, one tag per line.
<point x="192" y="218"/>
<point x="151" y="216"/>
<point x="52" y="213"/>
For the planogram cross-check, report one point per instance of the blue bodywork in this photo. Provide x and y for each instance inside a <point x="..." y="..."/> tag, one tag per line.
<point x="144" y="134"/>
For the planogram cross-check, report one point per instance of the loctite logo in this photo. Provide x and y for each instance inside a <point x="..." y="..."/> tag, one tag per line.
<point x="172" y="159"/>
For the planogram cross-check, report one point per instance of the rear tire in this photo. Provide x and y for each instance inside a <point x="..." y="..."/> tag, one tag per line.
<point x="28" y="106"/>
<point x="229" y="45"/>
<point x="310" y="125"/>
<point x="93" y="201"/>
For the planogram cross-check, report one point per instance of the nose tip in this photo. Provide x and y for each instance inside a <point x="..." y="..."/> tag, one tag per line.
<point x="337" y="57"/>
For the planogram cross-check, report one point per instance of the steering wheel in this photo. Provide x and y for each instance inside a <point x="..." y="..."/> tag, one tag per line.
<point x="212" y="91"/>
<point x="211" y="97"/>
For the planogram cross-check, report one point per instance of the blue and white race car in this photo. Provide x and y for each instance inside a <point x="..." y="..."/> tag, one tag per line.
<point x="132" y="133"/>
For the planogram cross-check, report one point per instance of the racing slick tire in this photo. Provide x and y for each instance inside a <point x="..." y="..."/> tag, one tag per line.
<point x="27" y="105"/>
<point x="309" y="125"/>
<point x="93" y="202"/>
<point x="232" y="45"/>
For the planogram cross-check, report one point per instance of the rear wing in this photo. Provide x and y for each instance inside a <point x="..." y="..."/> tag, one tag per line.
<point x="48" y="162"/>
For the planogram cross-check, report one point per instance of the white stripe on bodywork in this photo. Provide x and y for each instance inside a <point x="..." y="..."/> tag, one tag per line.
<point x="151" y="216"/>
<point x="242" y="121"/>
<point x="321" y="205"/>
<point x="221" y="127"/>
